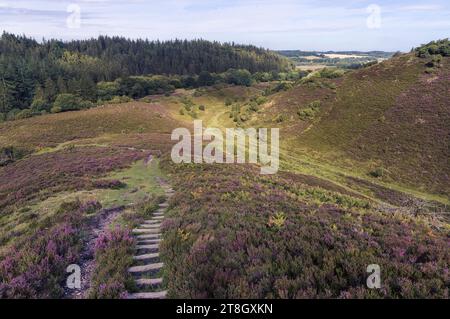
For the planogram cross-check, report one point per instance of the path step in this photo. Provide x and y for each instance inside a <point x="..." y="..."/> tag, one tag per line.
<point x="145" y="268"/>
<point x="154" y="246"/>
<point x="149" y="241"/>
<point x="149" y="236"/>
<point x="146" y="256"/>
<point x="145" y="231"/>
<point x="158" y="217"/>
<point x="151" y="226"/>
<point x="164" y="205"/>
<point x="149" y="282"/>
<point x="151" y="221"/>
<point x="148" y="295"/>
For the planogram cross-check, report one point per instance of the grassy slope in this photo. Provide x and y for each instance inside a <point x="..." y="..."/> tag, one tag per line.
<point x="52" y="130"/>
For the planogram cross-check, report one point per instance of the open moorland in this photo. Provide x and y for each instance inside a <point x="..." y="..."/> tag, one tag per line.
<point x="364" y="179"/>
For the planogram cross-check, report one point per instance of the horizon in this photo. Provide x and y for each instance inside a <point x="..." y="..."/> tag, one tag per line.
<point x="288" y="25"/>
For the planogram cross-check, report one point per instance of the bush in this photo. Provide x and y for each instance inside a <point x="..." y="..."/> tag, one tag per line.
<point x="27" y="113"/>
<point x="10" y="154"/>
<point x="329" y="73"/>
<point x="11" y="115"/>
<point x="310" y="111"/>
<point x="377" y="173"/>
<point x="120" y="99"/>
<point x="113" y="256"/>
<point x="109" y="184"/>
<point x="239" y="77"/>
<point x="56" y="109"/>
<point x="202" y="108"/>
<point x="261" y="100"/>
<point x="441" y="47"/>
<point x="39" y="105"/>
<point x="228" y="102"/>
<point x="67" y="102"/>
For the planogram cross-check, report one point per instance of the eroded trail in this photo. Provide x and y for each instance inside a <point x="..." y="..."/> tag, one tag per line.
<point x="148" y="266"/>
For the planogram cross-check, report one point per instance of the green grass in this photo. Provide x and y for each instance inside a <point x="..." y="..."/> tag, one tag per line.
<point x="141" y="182"/>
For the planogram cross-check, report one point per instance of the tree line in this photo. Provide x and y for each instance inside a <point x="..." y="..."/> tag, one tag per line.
<point x="36" y="75"/>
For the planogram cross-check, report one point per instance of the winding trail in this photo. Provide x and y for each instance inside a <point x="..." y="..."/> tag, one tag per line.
<point x="148" y="266"/>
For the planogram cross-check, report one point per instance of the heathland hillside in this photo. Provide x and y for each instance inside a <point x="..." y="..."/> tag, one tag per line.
<point x="392" y="119"/>
<point x="363" y="180"/>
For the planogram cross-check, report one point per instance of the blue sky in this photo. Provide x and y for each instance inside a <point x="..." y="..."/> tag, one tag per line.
<point x="281" y="24"/>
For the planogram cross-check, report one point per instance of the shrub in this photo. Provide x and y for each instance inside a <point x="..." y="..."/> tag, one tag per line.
<point x="39" y="105"/>
<point x="441" y="47"/>
<point x="329" y="73"/>
<point x="202" y="108"/>
<point x="56" y="109"/>
<point x="261" y="100"/>
<point x="377" y="173"/>
<point x="109" y="184"/>
<point x="120" y="100"/>
<point x="10" y="154"/>
<point x="113" y="252"/>
<point x="310" y="111"/>
<point x="24" y="114"/>
<point x="281" y="118"/>
<point x="36" y="267"/>
<point x="228" y="102"/>
<point x="67" y="102"/>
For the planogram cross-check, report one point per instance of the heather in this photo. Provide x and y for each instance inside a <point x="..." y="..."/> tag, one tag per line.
<point x="39" y="176"/>
<point x="233" y="233"/>
<point x="113" y="256"/>
<point x="35" y="267"/>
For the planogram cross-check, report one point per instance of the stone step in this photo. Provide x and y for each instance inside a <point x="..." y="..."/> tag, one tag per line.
<point x="149" y="241"/>
<point x="158" y="217"/>
<point x="151" y="226"/>
<point x="151" y="221"/>
<point x="148" y="295"/>
<point x="145" y="231"/>
<point x="145" y="268"/>
<point x="149" y="282"/>
<point x="154" y="246"/>
<point x="146" y="256"/>
<point x="149" y="236"/>
<point x="164" y="205"/>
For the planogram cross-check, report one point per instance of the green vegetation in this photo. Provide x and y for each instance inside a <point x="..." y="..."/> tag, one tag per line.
<point x="441" y="47"/>
<point x="35" y="76"/>
<point x="310" y="111"/>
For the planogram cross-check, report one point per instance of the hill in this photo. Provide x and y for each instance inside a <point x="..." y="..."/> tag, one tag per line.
<point x="389" y="121"/>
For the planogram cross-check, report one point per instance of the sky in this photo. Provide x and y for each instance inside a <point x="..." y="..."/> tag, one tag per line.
<point x="322" y="25"/>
